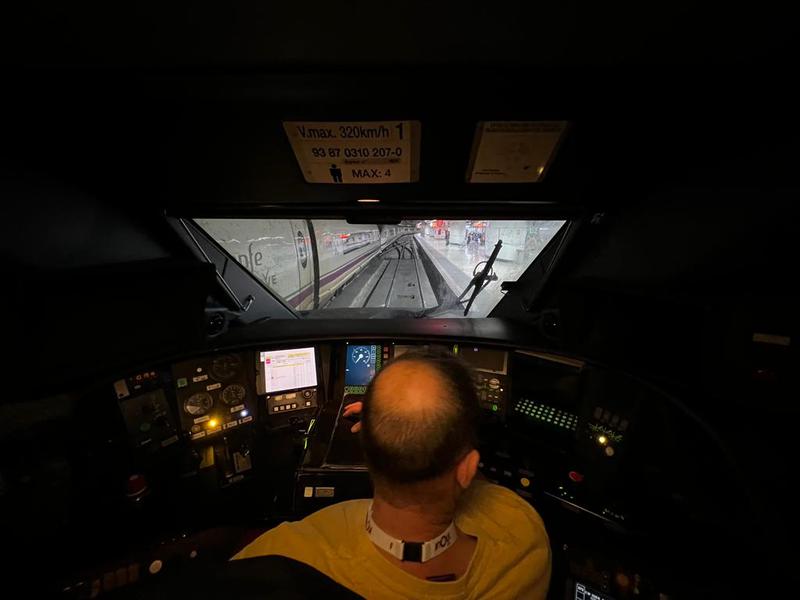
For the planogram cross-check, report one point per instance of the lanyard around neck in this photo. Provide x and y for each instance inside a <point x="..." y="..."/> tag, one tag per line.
<point x="410" y="551"/>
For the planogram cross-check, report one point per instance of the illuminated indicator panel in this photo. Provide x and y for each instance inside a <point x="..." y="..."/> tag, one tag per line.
<point x="214" y="395"/>
<point x="288" y="378"/>
<point x="547" y="414"/>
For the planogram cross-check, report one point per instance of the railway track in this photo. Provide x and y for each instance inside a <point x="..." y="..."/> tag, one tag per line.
<point x="395" y="279"/>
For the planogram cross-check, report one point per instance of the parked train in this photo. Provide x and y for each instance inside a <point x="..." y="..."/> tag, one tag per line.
<point x="281" y="253"/>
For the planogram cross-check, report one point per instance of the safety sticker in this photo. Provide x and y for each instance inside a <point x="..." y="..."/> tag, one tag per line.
<point x="513" y="151"/>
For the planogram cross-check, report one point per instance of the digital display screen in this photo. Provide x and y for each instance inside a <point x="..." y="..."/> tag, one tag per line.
<point x="483" y="359"/>
<point x="584" y="593"/>
<point x="287" y="370"/>
<point x="361" y="364"/>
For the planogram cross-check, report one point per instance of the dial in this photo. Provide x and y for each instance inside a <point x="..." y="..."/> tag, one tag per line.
<point x="234" y="394"/>
<point x="198" y="404"/>
<point x="361" y="355"/>
<point x="225" y="367"/>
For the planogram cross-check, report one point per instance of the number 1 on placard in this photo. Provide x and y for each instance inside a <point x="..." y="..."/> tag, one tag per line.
<point x="400" y="129"/>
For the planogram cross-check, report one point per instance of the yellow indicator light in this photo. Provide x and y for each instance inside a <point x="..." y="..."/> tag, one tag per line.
<point x="212" y="423"/>
<point x="525" y="482"/>
<point x="601" y="439"/>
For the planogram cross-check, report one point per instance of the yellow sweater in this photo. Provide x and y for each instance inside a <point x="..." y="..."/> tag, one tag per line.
<point x="511" y="560"/>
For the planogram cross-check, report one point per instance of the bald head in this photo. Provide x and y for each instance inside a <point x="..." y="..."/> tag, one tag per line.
<point x="419" y="417"/>
<point x="410" y="389"/>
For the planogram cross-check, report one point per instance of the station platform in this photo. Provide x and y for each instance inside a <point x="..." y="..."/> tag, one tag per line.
<point x="456" y="263"/>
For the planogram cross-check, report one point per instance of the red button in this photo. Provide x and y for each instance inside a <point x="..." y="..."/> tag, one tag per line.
<point x="575" y="476"/>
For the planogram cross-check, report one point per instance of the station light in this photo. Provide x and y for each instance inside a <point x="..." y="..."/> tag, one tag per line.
<point x="601" y="439"/>
<point x="212" y="423"/>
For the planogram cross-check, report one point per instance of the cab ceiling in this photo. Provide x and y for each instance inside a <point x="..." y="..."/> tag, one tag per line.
<point x="181" y="109"/>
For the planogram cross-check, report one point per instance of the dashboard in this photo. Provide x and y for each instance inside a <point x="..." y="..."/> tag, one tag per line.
<point x="220" y="400"/>
<point x="246" y="435"/>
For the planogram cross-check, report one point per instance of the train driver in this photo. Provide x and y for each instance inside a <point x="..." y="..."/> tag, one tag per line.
<point x="433" y="529"/>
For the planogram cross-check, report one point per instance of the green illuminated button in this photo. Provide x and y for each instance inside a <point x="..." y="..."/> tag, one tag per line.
<point x="183" y="382"/>
<point x="494" y="407"/>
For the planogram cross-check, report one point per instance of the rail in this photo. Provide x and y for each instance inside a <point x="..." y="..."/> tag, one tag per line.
<point x="395" y="279"/>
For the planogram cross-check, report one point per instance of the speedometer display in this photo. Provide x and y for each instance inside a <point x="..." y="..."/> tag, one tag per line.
<point x="225" y="367"/>
<point x="198" y="404"/>
<point x="235" y="393"/>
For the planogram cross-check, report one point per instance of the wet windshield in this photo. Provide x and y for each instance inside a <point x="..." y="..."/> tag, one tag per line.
<point x="425" y="268"/>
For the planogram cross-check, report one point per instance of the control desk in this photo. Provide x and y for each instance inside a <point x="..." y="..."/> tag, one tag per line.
<point x="254" y="433"/>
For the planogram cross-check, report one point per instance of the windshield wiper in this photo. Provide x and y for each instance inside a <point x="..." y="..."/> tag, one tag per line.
<point x="477" y="284"/>
<point x="481" y="279"/>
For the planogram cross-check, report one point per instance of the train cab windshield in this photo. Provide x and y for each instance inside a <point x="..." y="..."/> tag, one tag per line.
<point x="422" y="268"/>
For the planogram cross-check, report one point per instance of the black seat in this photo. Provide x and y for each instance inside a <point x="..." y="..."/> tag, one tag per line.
<point x="273" y="577"/>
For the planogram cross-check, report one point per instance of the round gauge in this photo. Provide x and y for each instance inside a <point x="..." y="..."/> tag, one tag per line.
<point x="198" y="404"/>
<point x="225" y="367"/>
<point x="361" y="355"/>
<point x="234" y="394"/>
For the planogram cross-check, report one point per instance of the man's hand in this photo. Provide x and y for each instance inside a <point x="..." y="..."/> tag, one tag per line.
<point x="352" y="412"/>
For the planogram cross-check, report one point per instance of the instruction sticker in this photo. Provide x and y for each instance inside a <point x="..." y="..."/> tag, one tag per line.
<point x="513" y="151"/>
<point x="356" y="152"/>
